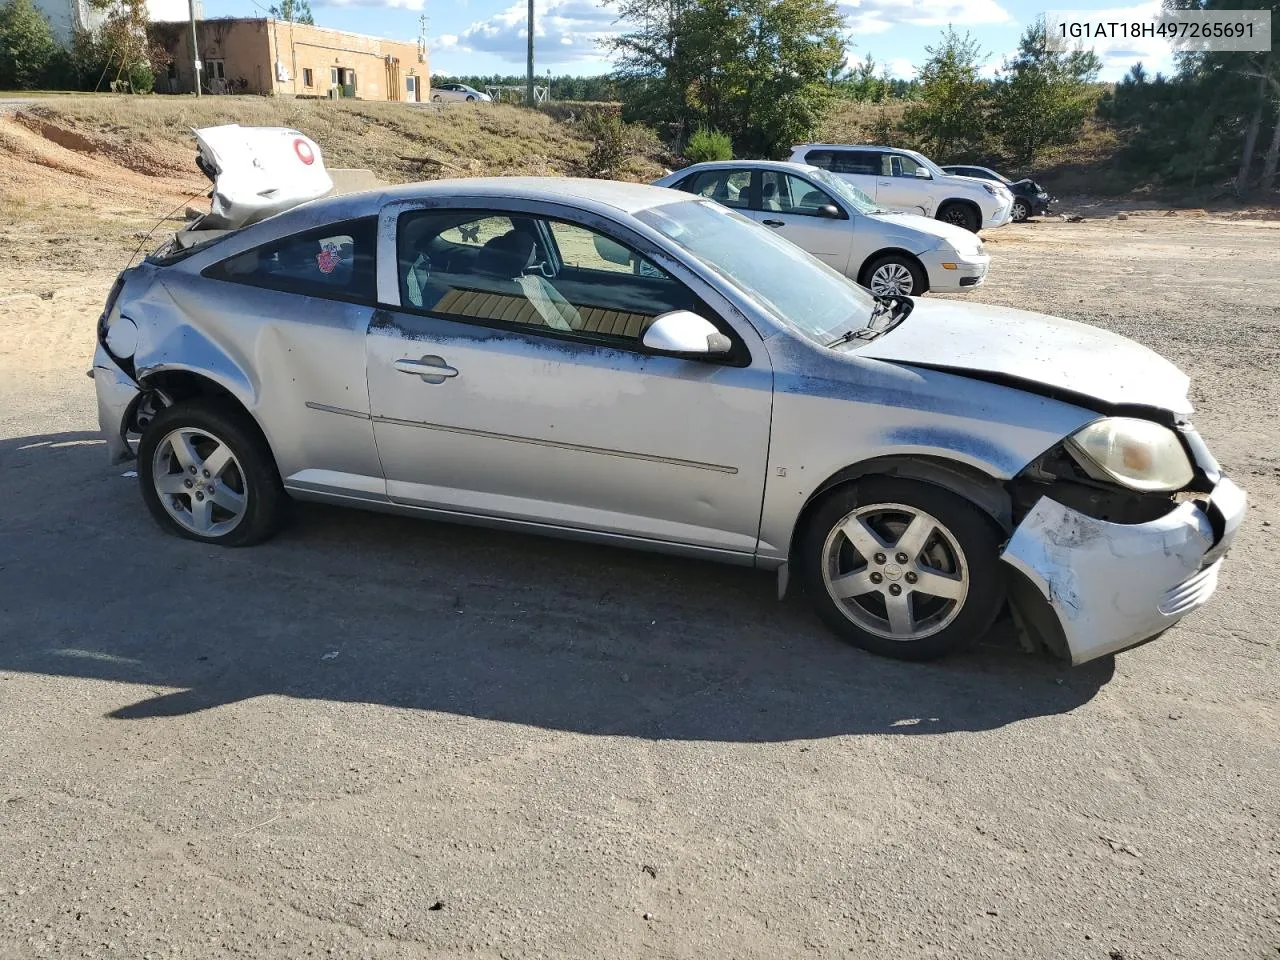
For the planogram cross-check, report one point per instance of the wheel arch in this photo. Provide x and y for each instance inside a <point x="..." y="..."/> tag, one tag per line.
<point x="971" y="205"/>
<point x="178" y="382"/>
<point x="886" y="251"/>
<point x="981" y="489"/>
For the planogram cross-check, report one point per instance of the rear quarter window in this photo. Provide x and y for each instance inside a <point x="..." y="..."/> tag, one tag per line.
<point x="336" y="262"/>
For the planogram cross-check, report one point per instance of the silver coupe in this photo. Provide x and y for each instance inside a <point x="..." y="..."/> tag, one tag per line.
<point x="638" y="366"/>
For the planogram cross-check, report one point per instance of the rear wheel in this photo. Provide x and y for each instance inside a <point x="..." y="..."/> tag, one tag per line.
<point x="895" y="275"/>
<point x="437" y="99"/>
<point x="208" y="475"/>
<point x="902" y="568"/>
<point x="1021" y="212"/>
<point x="960" y="215"/>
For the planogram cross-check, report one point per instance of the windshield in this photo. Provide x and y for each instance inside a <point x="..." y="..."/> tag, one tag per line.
<point x="796" y="288"/>
<point x="846" y="191"/>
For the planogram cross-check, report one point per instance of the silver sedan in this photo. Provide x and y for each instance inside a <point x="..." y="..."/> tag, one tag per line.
<point x="633" y="365"/>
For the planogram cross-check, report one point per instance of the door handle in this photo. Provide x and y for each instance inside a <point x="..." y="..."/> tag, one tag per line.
<point x="431" y="369"/>
<point x="774" y="223"/>
<point x="885" y="183"/>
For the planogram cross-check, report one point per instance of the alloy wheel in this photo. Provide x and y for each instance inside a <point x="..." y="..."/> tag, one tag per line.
<point x="892" y="279"/>
<point x="895" y="571"/>
<point x="1020" y="211"/>
<point x="199" y="482"/>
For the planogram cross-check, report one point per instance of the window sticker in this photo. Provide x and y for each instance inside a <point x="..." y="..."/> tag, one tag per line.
<point x="328" y="258"/>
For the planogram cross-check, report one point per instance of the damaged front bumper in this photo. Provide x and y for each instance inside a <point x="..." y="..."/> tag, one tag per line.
<point x="1110" y="586"/>
<point x="117" y="395"/>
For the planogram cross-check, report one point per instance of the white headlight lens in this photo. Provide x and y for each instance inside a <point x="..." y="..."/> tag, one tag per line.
<point x="122" y="337"/>
<point x="1139" y="454"/>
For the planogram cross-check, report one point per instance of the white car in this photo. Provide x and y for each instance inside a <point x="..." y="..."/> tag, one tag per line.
<point x="889" y="253"/>
<point x="909" y="182"/>
<point x="458" y="93"/>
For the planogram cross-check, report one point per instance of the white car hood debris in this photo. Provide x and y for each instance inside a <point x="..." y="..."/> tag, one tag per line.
<point x="1034" y="349"/>
<point x="259" y="171"/>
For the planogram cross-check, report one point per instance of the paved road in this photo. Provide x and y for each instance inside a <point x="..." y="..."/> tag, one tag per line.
<point x="375" y="737"/>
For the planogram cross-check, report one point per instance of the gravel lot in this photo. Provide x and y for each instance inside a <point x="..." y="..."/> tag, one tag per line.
<point x="376" y="737"/>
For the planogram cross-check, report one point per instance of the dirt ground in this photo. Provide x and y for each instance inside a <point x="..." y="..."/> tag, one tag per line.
<point x="376" y="737"/>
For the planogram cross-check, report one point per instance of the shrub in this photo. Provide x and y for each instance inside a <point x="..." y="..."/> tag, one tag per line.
<point x="707" y="145"/>
<point x="27" y="49"/>
<point x="612" y="146"/>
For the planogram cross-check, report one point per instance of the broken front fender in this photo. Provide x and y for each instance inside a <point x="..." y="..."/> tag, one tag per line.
<point x="1111" y="586"/>
<point x="117" y="393"/>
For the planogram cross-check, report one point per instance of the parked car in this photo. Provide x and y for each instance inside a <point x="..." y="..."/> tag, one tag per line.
<point x="638" y="366"/>
<point x="908" y="182"/>
<point x="458" y="93"/>
<point x="889" y="253"/>
<point x="1029" y="198"/>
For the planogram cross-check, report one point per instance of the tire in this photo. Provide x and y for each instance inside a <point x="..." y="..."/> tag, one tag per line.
<point x="470" y="99"/>
<point x="1021" y="212"/>
<point x="242" y="502"/>
<point x="961" y="215"/>
<point x="959" y="556"/>
<point x="437" y="99"/>
<point x="888" y="274"/>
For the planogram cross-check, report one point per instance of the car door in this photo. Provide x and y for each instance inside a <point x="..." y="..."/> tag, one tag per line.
<point x="904" y="186"/>
<point x="510" y="382"/>
<point x="792" y="206"/>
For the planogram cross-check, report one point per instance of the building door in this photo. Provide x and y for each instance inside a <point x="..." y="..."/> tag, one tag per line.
<point x="411" y="89"/>
<point x="348" y="83"/>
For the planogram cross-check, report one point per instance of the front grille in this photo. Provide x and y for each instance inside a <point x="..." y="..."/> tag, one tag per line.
<point x="1191" y="592"/>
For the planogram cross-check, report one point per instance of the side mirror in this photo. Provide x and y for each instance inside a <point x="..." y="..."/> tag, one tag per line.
<point x="829" y="210"/>
<point x="684" y="332"/>
<point x="611" y="251"/>
<point x="923" y="174"/>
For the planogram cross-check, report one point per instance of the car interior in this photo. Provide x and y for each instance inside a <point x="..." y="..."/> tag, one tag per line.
<point x="511" y="270"/>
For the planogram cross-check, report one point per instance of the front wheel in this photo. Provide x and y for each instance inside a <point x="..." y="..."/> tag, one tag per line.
<point x="902" y="568"/>
<point x="895" y="275"/>
<point x="960" y="215"/>
<point x="207" y="474"/>
<point x="1021" y="212"/>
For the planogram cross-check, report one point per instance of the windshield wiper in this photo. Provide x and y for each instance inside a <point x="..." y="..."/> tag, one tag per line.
<point x="884" y="305"/>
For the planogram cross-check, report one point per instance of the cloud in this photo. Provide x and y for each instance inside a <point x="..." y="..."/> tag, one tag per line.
<point x="901" y="68"/>
<point x="877" y="16"/>
<point x="1119" y="53"/>
<point x="564" y="31"/>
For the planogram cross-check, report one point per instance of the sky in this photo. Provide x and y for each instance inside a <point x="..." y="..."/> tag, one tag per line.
<point x="484" y="37"/>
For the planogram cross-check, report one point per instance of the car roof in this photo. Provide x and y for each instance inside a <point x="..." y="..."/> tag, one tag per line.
<point x="601" y="196"/>
<point x="852" y="146"/>
<point x="788" y="165"/>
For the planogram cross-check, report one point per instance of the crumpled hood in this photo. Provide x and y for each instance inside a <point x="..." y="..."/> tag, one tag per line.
<point x="960" y="238"/>
<point x="1036" y="349"/>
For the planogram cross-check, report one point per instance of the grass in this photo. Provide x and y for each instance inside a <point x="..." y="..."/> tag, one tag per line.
<point x="397" y="141"/>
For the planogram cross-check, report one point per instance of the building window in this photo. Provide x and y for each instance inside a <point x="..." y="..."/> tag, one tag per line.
<point x="215" y="70"/>
<point x="306" y="77"/>
<point x="333" y="76"/>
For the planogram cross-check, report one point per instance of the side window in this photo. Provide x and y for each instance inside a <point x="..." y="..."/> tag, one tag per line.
<point x="863" y="162"/>
<point x="549" y="275"/>
<point x="477" y="233"/>
<point x="806" y="199"/>
<point x="729" y="188"/>
<point x="337" y="262"/>
<point x="819" y="158"/>
<point x="899" y="165"/>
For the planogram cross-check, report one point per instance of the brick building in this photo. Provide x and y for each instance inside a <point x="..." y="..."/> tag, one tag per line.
<point x="280" y="58"/>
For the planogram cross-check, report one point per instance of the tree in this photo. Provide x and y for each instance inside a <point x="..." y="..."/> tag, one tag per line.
<point x="296" y="11"/>
<point x="27" y="48"/>
<point x="130" y="58"/>
<point x="951" y="115"/>
<point x="1044" y="96"/>
<point x="756" y="70"/>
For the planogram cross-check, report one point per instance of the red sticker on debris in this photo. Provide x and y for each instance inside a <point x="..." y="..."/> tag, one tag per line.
<point x="304" y="151"/>
<point x="328" y="259"/>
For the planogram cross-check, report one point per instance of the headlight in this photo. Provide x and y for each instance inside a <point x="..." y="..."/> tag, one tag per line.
<point x="1042" y="195"/>
<point x="122" y="336"/>
<point x="990" y="189"/>
<point x="1138" y="454"/>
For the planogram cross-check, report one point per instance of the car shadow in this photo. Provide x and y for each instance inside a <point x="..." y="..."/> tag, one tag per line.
<point x="352" y="606"/>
